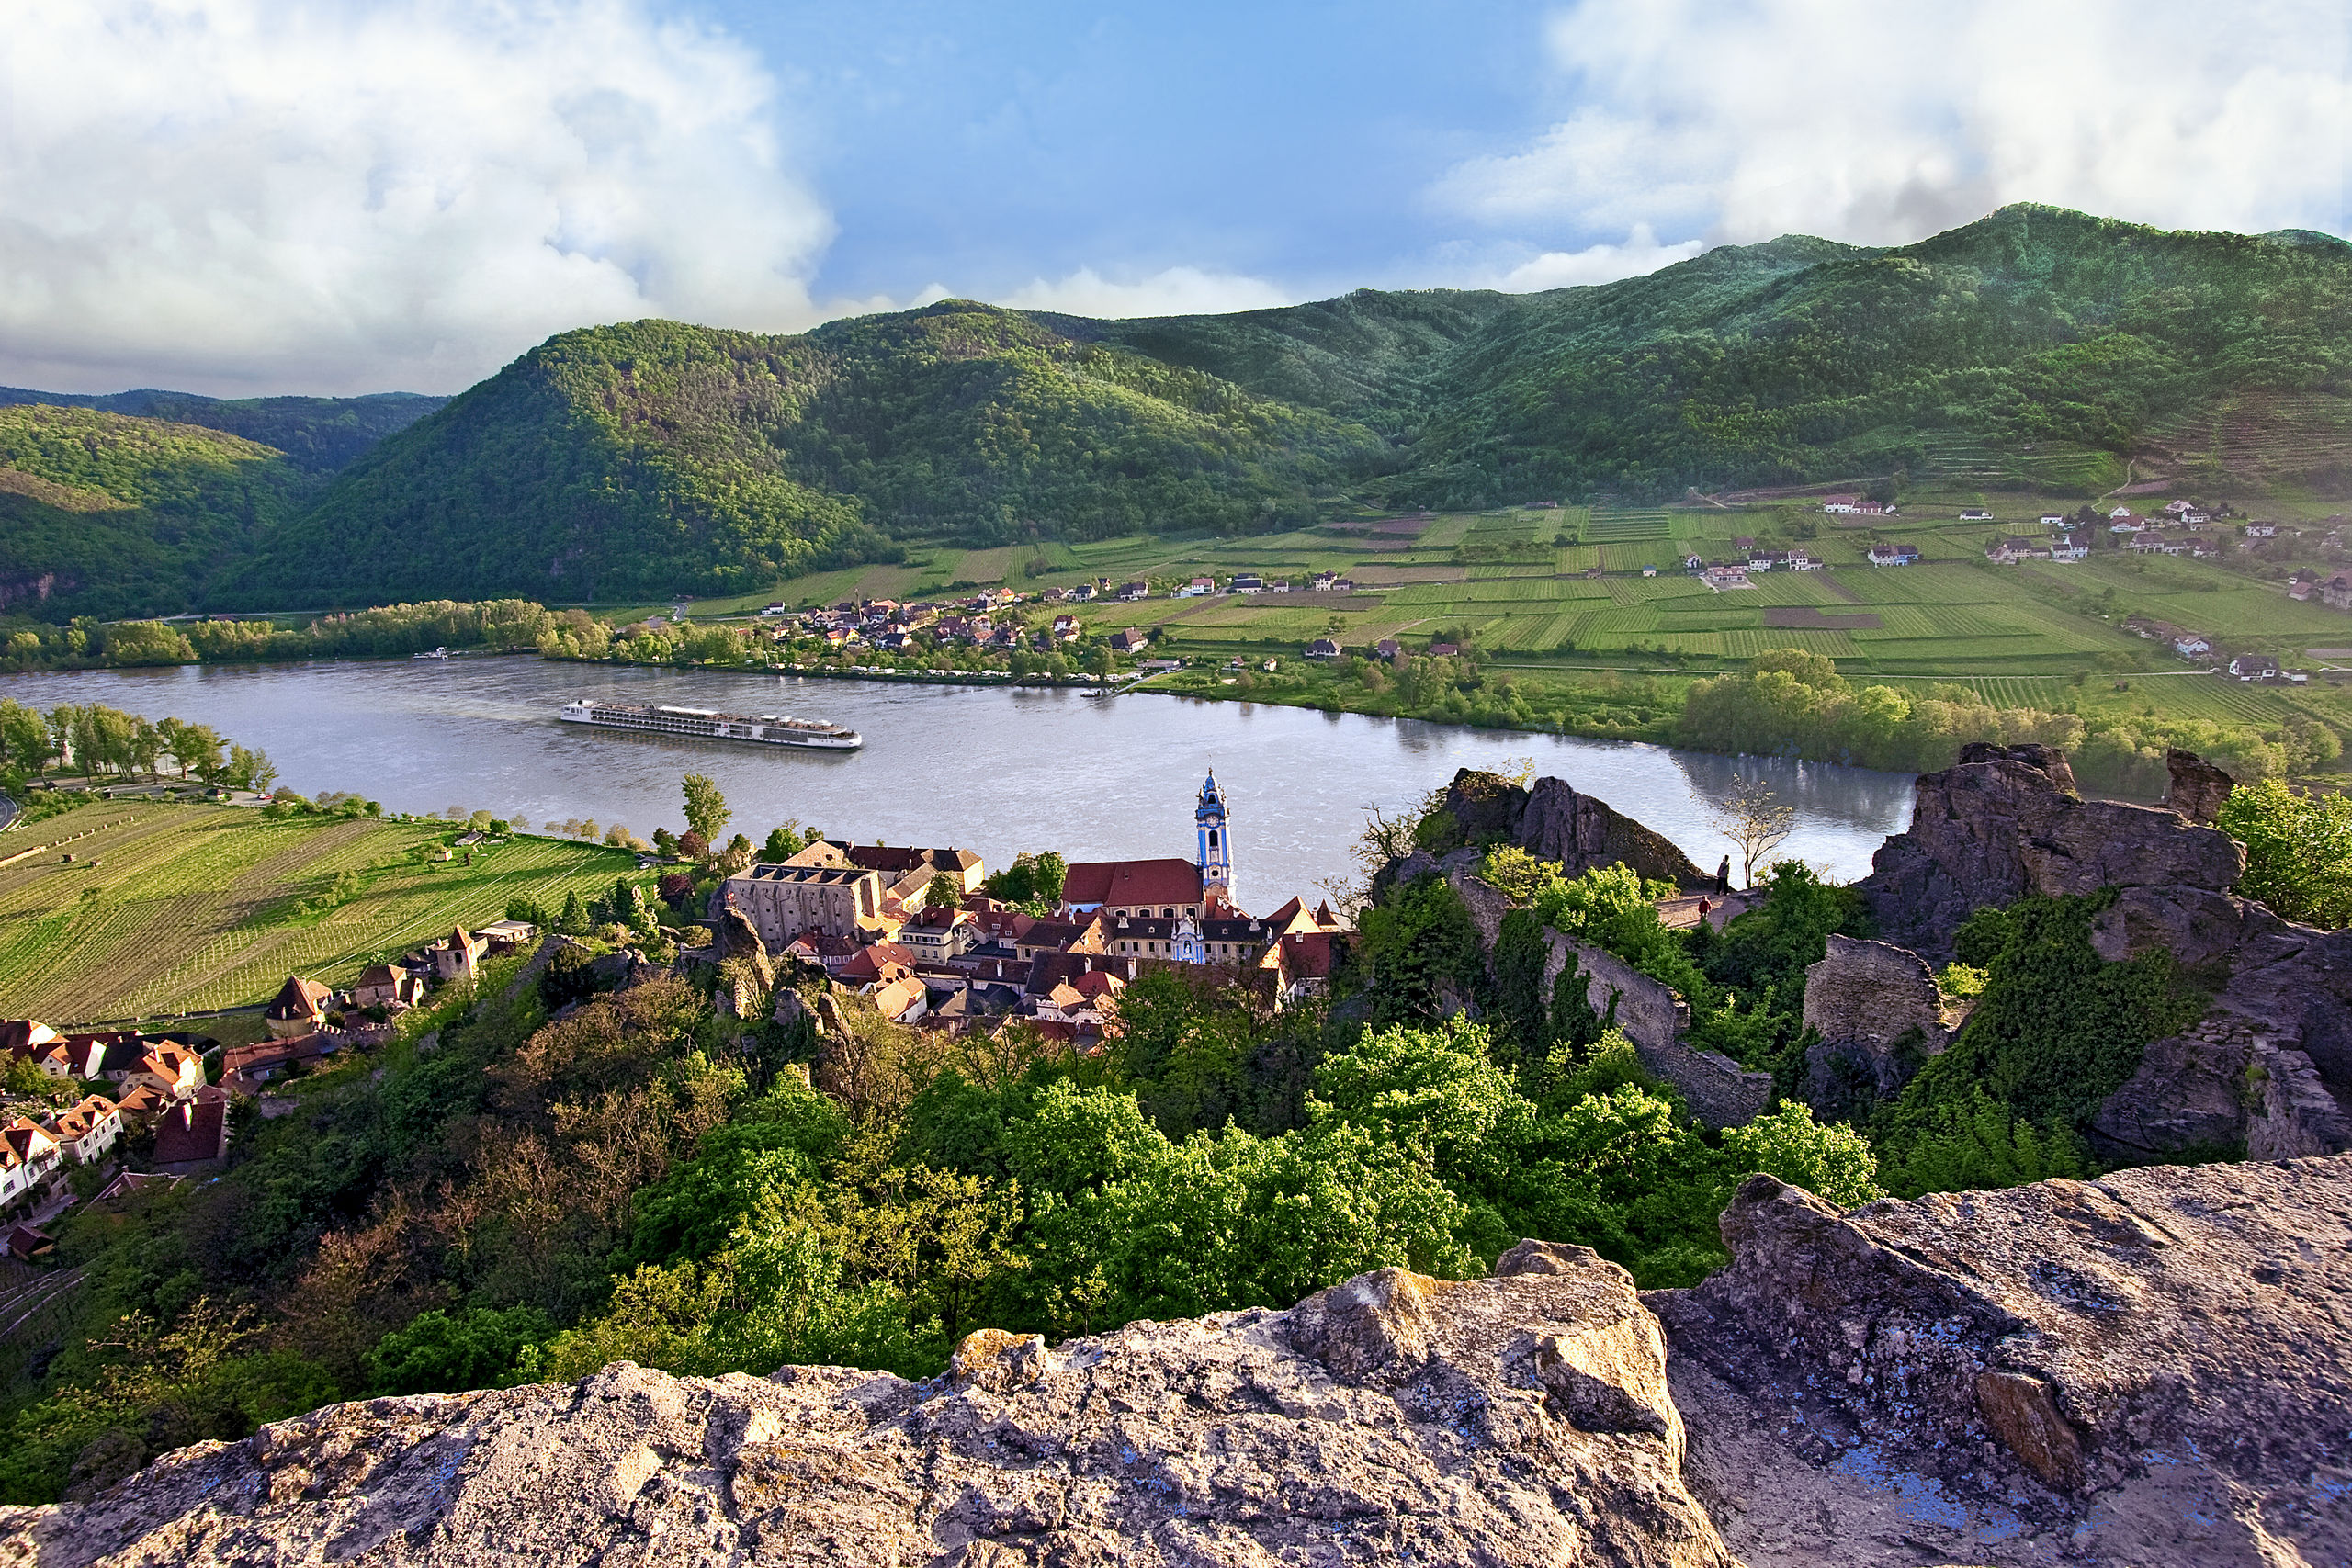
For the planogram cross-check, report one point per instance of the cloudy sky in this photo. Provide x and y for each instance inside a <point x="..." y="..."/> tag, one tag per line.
<point x="344" y="196"/>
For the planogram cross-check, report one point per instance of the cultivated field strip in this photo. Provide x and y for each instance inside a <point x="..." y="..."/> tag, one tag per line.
<point x="197" y="911"/>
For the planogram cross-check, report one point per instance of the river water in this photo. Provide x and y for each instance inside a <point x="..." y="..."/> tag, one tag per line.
<point x="988" y="769"/>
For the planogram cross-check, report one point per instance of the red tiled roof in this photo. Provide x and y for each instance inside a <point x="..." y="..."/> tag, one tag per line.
<point x="298" y="998"/>
<point x="1125" y="882"/>
<point x="1308" y="955"/>
<point x="196" y="1131"/>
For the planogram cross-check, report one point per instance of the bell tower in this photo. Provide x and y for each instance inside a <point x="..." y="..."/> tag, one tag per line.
<point x="1217" y="847"/>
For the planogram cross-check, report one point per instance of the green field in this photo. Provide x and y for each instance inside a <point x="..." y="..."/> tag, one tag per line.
<point x="2041" y="633"/>
<point x="197" y="907"/>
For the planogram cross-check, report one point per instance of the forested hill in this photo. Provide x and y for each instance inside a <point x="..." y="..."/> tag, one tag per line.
<point x="318" y="435"/>
<point x="107" y="514"/>
<point x="654" y="457"/>
<point x="2027" y="346"/>
<point x="2034" y="347"/>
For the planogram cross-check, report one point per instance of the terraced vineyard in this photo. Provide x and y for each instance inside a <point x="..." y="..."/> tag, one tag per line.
<point x="196" y="908"/>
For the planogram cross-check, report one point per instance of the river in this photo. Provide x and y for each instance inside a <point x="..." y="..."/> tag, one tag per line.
<point x="990" y="769"/>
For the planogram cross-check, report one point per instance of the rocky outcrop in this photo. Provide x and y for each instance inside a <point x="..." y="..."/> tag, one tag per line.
<point x="2268" y="1071"/>
<point x="2152" y="1368"/>
<point x="1521" y="1419"/>
<point x="1582" y="832"/>
<point x="2006" y="822"/>
<point x="2197" y="787"/>
<point x="1555" y="822"/>
<point x="1880" y="1016"/>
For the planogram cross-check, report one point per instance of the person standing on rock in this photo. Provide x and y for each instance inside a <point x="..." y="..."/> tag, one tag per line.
<point x="1722" y="878"/>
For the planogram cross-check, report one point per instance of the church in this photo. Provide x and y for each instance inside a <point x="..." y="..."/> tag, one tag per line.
<point x="1170" y="889"/>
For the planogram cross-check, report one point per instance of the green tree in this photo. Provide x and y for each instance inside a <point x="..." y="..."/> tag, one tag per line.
<point x="943" y="892"/>
<point x="1048" y="873"/>
<point x="1420" y="947"/>
<point x="440" y="1352"/>
<point x="707" y="810"/>
<point x="2298" y="849"/>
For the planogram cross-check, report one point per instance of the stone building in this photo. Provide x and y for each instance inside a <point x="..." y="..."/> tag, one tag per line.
<point x="782" y="901"/>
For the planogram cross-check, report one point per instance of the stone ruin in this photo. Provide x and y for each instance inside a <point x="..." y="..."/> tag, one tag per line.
<point x="1880" y="1016"/>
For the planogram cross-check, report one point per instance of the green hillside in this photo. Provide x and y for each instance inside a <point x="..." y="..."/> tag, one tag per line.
<point x="2025" y="345"/>
<point x="652" y="459"/>
<point x="318" y="435"/>
<point x="106" y="514"/>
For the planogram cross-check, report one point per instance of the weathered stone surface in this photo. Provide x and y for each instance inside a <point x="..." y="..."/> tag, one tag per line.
<point x="2197" y="787"/>
<point x="1523" y="1419"/>
<point x="2152" y="1368"/>
<point x="2006" y="822"/>
<point x="1582" y="832"/>
<point x="2268" y="1070"/>
<point x="1555" y="822"/>
<point x="1484" y="806"/>
<point x="1880" y="1016"/>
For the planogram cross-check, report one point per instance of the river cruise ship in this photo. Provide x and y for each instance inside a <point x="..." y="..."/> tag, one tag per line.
<point x="704" y="723"/>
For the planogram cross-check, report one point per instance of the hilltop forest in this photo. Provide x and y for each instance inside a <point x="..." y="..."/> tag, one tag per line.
<point x="656" y="458"/>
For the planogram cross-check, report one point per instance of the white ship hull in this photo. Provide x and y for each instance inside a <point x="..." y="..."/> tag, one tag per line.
<point x="701" y="724"/>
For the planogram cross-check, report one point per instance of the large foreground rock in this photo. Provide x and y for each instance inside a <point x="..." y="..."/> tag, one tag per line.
<point x="1521" y="1419"/>
<point x="2153" y="1368"/>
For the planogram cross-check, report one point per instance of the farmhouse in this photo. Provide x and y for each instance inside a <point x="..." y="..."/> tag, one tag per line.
<point x="2336" y="591"/>
<point x="1128" y="641"/>
<point x="1974" y="515"/>
<point x="2067" y="548"/>
<point x="299" y="1008"/>
<point x="2254" y="667"/>
<point x="1895" y="555"/>
<point x="2190" y="645"/>
<point x="2010" y="550"/>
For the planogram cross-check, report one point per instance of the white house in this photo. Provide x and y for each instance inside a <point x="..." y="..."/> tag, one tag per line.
<point x="1895" y="555"/>
<point x="2068" y="548"/>
<point x="2188" y="645"/>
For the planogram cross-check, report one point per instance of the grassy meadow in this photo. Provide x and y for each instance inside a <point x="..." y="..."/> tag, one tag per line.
<point x="198" y="908"/>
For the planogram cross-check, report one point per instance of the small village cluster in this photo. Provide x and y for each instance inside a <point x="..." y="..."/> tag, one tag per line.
<point x="892" y="626"/>
<point x="875" y="917"/>
<point x="156" y="1083"/>
<point x="153" y="1082"/>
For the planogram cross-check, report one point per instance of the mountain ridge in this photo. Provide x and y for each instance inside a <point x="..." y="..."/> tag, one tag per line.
<point x="652" y="457"/>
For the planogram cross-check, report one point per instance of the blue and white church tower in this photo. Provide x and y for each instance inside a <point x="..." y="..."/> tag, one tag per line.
<point x="1216" y="846"/>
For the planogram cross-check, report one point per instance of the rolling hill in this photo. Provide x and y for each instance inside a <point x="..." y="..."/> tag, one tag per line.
<point x="653" y="458"/>
<point x="2035" y="347"/>
<point x="109" y="514"/>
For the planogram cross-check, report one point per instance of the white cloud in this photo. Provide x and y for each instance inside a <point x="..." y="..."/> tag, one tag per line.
<point x="1879" y="121"/>
<point x="1639" y="255"/>
<point x="1177" y="291"/>
<point x="270" y="195"/>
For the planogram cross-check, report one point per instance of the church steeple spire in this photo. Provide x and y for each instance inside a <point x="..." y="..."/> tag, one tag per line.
<point x="1216" y="845"/>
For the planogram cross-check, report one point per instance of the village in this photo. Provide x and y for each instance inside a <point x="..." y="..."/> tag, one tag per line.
<point x="913" y="931"/>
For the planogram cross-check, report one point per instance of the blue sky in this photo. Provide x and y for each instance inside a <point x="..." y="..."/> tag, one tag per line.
<point x="345" y="196"/>
<point x="980" y="148"/>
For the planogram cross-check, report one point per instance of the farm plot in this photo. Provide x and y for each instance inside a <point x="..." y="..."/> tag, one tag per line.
<point x="198" y="907"/>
